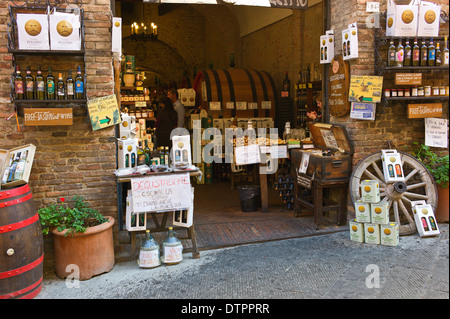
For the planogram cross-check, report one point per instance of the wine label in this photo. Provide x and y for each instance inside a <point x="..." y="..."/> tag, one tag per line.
<point x="69" y="88"/>
<point x="18" y="86"/>
<point x="79" y="87"/>
<point x="173" y="254"/>
<point x="149" y="258"/>
<point x="50" y="87"/>
<point x="40" y="86"/>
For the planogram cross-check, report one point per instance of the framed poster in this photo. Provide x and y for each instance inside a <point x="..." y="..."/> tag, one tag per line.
<point x="364" y="88"/>
<point x="338" y="87"/>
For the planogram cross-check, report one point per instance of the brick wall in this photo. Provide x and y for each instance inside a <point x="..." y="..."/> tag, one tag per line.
<point x="391" y="122"/>
<point x="69" y="160"/>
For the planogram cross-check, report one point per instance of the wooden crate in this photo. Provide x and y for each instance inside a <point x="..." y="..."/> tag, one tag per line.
<point x="5" y="156"/>
<point x="337" y="167"/>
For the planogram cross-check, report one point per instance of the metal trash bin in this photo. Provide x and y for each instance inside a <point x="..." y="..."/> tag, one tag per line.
<point x="250" y="197"/>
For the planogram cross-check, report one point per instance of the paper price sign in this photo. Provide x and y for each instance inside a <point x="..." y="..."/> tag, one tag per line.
<point x="161" y="193"/>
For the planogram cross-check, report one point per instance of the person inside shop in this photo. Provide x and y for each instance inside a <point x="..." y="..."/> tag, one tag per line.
<point x="172" y="94"/>
<point x="316" y="116"/>
<point x="166" y="121"/>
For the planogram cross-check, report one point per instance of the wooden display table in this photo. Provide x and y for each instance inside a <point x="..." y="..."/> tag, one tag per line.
<point x="160" y="226"/>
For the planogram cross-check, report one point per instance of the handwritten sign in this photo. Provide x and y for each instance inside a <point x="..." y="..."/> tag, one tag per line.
<point x="408" y="78"/>
<point x="365" y="88"/>
<point x="416" y="111"/>
<point x="161" y="193"/>
<point x="247" y="154"/>
<point x="104" y="112"/>
<point x="436" y="132"/>
<point x="42" y="117"/>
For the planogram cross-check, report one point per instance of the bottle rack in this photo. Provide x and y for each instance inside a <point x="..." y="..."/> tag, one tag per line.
<point x="381" y="67"/>
<point x="47" y="55"/>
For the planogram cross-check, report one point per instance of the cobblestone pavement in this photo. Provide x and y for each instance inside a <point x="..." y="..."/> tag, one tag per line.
<point x="327" y="266"/>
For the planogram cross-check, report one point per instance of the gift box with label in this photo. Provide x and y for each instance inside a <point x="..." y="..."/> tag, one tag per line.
<point x="370" y="191"/>
<point x="392" y="166"/>
<point x="134" y="222"/>
<point x="181" y="151"/>
<point x="428" y="20"/>
<point x="356" y="231"/>
<point x="127" y="152"/>
<point x="64" y="31"/>
<point x="401" y="20"/>
<point x="389" y="234"/>
<point x="327" y="47"/>
<point x="32" y="31"/>
<point x="362" y="212"/>
<point x="380" y="212"/>
<point x="372" y="233"/>
<point x="127" y="128"/>
<point x="425" y="221"/>
<point x="350" y="42"/>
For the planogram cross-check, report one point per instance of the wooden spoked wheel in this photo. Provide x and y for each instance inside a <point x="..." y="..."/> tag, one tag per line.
<point x="418" y="185"/>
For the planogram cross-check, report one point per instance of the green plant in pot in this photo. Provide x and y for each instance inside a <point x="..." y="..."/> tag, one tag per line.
<point x="82" y="238"/>
<point x="438" y="166"/>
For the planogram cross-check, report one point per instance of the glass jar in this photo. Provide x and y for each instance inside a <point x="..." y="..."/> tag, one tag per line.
<point x="420" y="91"/>
<point x="387" y="92"/>
<point x="414" y="91"/>
<point x="427" y="90"/>
<point x="435" y="90"/>
<point x="442" y="90"/>
<point x="400" y="92"/>
<point x="407" y="93"/>
<point x="394" y="92"/>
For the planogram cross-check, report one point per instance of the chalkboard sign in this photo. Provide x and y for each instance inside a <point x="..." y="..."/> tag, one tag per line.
<point x="338" y="86"/>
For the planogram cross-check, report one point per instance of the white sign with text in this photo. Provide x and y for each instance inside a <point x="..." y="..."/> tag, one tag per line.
<point x="436" y="132"/>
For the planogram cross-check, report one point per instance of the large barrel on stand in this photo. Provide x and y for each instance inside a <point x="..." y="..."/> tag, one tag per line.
<point x="236" y="85"/>
<point x="21" y="245"/>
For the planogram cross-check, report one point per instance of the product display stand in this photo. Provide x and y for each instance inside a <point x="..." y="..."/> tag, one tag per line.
<point x="160" y="226"/>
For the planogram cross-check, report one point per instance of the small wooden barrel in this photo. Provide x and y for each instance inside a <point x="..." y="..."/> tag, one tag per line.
<point x="236" y="85"/>
<point x="21" y="245"/>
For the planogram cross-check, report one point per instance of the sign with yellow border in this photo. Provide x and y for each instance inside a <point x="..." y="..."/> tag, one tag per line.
<point x="103" y="112"/>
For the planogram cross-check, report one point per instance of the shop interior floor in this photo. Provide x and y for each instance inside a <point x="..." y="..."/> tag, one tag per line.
<point x="219" y="221"/>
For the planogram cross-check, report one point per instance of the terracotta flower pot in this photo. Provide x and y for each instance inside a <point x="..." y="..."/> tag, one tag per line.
<point x="442" y="208"/>
<point x="91" y="253"/>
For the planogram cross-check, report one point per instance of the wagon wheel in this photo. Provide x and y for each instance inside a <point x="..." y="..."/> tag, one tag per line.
<point x="418" y="185"/>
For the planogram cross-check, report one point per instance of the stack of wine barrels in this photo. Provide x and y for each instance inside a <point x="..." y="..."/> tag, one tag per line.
<point x="236" y="85"/>
<point x="21" y="245"/>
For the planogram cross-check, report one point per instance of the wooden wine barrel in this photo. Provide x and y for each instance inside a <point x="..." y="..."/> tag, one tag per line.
<point x="236" y="85"/>
<point x="21" y="245"/>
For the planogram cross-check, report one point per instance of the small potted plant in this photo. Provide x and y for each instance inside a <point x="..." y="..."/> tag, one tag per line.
<point x="82" y="238"/>
<point x="438" y="166"/>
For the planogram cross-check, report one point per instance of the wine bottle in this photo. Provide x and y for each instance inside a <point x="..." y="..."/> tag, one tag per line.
<point x="18" y="84"/>
<point x="149" y="256"/>
<point x="70" y="86"/>
<point x="61" y="91"/>
<point x="79" y="85"/>
<point x="446" y="53"/>
<point x="400" y="54"/>
<point x="423" y="54"/>
<point x="21" y="166"/>
<point x="50" y="80"/>
<point x="166" y="156"/>
<point x="172" y="249"/>
<point x="12" y="169"/>
<point x="391" y="54"/>
<point x="438" y="55"/>
<point x="416" y="54"/>
<point x="40" y="85"/>
<point x="285" y="92"/>
<point x="148" y="152"/>
<point x="142" y="157"/>
<point x="29" y="85"/>
<point x="431" y="54"/>
<point x="6" y="173"/>
<point x="407" y="60"/>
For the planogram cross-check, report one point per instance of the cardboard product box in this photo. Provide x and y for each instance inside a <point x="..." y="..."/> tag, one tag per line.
<point x="380" y="212"/>
<point x="207" y="122"/>
<point x="219" y="124"/>
<point x="32" y="31"/>
<point x="181" y="150"/>
<point x="401" y="20"/>
<point x="356" y="231"/>
<point x="372" y="233"/>
<point x="64" y="31"/>
<point x="362" y="212"/>
<point x="15" y="165"/>
<point x="116" y="45"/>
<point x="425" y="220"/>
<point x="428" y="20"/>
<point x="327" y="47"/>
<point x="185" y="217"/>
<point x="370" y="191"/>
<point x="127" y="128"/>
<point x="392" y="166"/>
<point x="350" y="42"/>
<point x="127" y="152"/>
<point x="389" y="234"/>
<point x="134" y="222"/>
